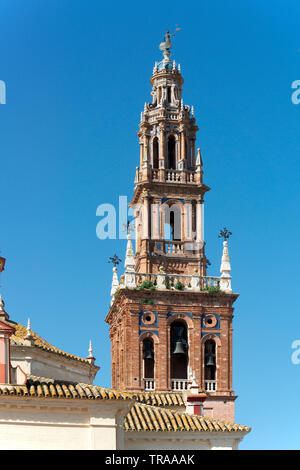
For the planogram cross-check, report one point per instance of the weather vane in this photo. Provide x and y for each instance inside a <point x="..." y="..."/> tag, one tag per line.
<point x="115" y="260"/>
<point x="225" y="234"/>
<point x="166" y="45"/>
<point x="127" y="227"/>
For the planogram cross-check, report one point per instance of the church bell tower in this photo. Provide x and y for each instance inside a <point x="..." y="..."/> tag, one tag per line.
<point x="170" y="323"/>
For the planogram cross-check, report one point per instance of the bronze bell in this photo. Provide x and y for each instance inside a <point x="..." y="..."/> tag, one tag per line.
<point x="210" y="360"/>
<point x="148" y="351"/>
<point x="179" y="348"/>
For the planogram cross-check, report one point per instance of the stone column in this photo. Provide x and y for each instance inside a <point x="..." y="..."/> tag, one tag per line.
<point x="188" y="220"/>
<point x="146" y="205"/>
<point x="182" y="140"/>
<point x="146" y="152"/>
<point x="161" y="162"/>
<point x="155" y="219"/>
<point x="200" y="221"/>
<point x="141" y="152"/>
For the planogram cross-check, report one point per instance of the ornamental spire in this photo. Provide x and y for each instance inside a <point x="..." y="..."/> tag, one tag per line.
<point x="225" y="282"/>
<point x="29" y="331"/>
<point x="91" y="357"/>
<point x="29" y="339"/>
<point x="129" y="260"/>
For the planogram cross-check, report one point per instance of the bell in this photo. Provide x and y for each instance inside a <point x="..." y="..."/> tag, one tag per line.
<point x="210" y="360"/>
<point x="148" y="352"/>
<point x="179" y="349"/>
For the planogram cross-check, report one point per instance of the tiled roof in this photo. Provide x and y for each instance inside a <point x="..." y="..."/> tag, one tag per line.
<point x="141" y="417"/>
<point x="40" y="387"/>
<point x="153" y="418"/>
<point x="20" y="335"/>
<point x="160" y="398"/>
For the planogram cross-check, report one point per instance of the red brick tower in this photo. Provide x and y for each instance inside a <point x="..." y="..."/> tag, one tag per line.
<point x="168" y="320"/>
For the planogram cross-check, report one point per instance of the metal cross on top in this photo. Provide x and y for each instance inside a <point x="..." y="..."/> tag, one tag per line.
<point x="225" y="234"/>
<point x="115" y="260"/>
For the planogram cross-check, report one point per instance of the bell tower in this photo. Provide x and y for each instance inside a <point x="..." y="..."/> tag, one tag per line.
<point x="169" y="191"/>
<point x="170" y="323"/>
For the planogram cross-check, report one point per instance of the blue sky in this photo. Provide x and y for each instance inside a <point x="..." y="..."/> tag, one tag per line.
<point x="77" y="76"/>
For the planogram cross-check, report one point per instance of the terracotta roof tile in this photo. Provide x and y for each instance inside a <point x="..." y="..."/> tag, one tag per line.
<point x="160" y="398"/>
<point x="143" y="417"/>
<point x="19" y="337"/>
<point x="49" y="388"/>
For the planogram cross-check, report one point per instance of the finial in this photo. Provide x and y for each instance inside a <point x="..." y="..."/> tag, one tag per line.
<point x="181" y="104"/>
<point x="129" y="259"/>
<point x="91" y="357"/>
<point x="127" y="227"/>
<point x="179" y="68"/>
<point x="225" y="281"/>
<point x="166" y="45"/>
<point x="199" y="162"/>
<point x="114" y="284"/>
<point x="115" y="260"/>
<point x="192" y="111"/>
<point x="145" y="107"/>
<point x="224" y="234"/>
<point x="29" y="339"/>
<point x="174" y="65"/>
<point x="29" y="331"/>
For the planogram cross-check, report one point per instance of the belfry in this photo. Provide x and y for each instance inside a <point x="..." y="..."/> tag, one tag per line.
<point x="170" y="323"/>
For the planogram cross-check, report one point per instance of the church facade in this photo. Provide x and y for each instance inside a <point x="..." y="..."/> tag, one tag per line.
<point x="170" y="323"/>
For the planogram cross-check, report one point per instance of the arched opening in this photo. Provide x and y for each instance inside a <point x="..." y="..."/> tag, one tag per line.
<point x="179" y="354"/>
<point x="173" y="221"/>
<point x="171" y="155"/>
<point x="210" y="365"/>
<point x="148" y="360"/>
<point x="169" y="94"/>
<point x="155" y="152"/>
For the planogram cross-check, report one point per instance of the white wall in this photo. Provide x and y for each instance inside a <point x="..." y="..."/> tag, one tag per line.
<point x="43" y="424"/>
<point x="182" y="441"/>
<point x="36" y="361"/>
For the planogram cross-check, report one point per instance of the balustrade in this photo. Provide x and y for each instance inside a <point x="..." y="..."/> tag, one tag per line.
<point x="210" y="385"/>
<point x="149" y="385"/>
<point x="179" y="384"/>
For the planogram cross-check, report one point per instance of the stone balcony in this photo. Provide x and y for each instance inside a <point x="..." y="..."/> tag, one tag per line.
<point x="168" y="281"/>
<point x="174" y="176"/>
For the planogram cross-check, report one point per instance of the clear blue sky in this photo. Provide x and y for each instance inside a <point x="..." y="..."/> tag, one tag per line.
<point x="77" y="76"/>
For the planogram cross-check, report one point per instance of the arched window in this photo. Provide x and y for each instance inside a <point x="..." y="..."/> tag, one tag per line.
<point x="171" y="155"/>
<point x="169" y="94"/>
<point x="155" y="152"/>
<point x="179" y="351"/>
<point x="148" y="358"/>
<point x="210" y="364"/>
<point x="173" y="219"/>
